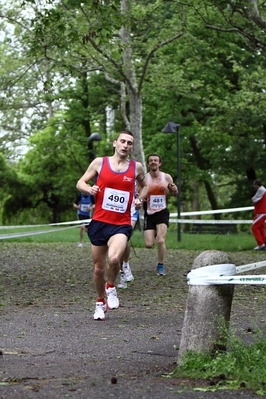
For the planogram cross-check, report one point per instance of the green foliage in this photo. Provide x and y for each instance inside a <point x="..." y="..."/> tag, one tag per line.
<point x="217" y="73"/>
<point x="241" y="366"/>
<point x="17" y="198"/>
<point x="47" y="174"/>
<point x="8" y="176"/>
<point x="212" y="84"/>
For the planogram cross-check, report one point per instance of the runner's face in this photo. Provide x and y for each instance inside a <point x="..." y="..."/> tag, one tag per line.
<point x="123" y="145"/>
<point x="154" y="163"/>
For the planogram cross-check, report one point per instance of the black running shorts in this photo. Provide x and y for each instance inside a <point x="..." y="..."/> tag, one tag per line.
<point x="99" y="232"/>
<point x="150" y="221"/>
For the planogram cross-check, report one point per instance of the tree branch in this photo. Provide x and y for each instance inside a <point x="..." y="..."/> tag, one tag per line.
<point x="254" y="14"/>
<point x="110" y="79"/>
<point x="241" y="32"/>
<point x="149" y="56"/>
<point x="14" y="21"/>
<point x="112" y="60"/>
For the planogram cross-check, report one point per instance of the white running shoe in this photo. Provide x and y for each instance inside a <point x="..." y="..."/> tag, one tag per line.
<point x="128" y="274"/>
<point x="260" y="247"/>
<point x="100" y="311"/>
<point x="80" y="245"/>
<point x="122" y="283"/>
<point x="112" y="300"/>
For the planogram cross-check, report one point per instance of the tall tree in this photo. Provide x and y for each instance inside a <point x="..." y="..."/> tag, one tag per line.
<point x="213" y="86"/>
<point x="120" y="39"/>
<point x="48" y="173"/>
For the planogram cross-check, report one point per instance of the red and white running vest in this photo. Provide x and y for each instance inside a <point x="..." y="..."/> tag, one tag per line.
<point x="113" y="201"/>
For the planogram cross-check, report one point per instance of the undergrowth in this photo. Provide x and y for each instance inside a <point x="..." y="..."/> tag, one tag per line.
<point x="241" y="366"/>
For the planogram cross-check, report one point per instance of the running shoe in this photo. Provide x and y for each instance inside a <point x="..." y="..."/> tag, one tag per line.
<point x="100" y="311"/>
<point x="128" y="274"/>
<point x="122" y="283"/>
<point x="80" y="245"/>
<point x="260" y="247"/>
<point x="112" y="299"/>
<point x="160" y="270"/>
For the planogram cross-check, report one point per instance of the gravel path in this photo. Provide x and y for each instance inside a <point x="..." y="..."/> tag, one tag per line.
<point x="52" y="348"/>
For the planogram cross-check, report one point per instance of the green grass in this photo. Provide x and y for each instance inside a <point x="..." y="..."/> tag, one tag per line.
<point x="56" y="234"/>
<point x="202" y="242"/>
<point x="241" y="366"/>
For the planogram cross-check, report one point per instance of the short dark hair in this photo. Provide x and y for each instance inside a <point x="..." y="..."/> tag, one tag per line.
<point x="125" y="132"/>
<point x="257" y="182"/>
<point x="154" y="155"/>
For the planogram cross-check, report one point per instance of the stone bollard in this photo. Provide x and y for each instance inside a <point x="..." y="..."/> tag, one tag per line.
<point x="207" y="308"/>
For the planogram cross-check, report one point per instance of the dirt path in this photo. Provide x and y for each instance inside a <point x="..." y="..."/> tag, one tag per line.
<point x="52" y="348"/>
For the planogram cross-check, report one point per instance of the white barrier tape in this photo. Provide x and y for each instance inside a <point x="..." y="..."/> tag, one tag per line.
<point x="213" y="211"/>
<point x="203" y="221"/>
<point x="87" y="221"/>
<point x="198" y="276"/>
<point x="23" y="226"/>
<point x="250" y="266"/>
<point x="43" y="225"/>
<point x="31" y="233"/>
<point x="210" y="212"/>
<point x="225" y="274"/>
<point x="259" y="279"/>
<point x="213" y="221"/>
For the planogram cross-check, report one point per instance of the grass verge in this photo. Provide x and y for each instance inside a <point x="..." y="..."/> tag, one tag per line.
<point x="202" y="242"/>
<point x="241" y="366"/>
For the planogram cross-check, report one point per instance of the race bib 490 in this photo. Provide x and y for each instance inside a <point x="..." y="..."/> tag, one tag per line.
<point x="115" y="200"/>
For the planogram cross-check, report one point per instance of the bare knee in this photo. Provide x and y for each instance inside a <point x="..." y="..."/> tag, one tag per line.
<point x="113" y="261"/>
<point x="149" y="245"/>
<point x="149" y="238"/>
<point x="98" y="270"/>
<point x="160" y="241"/>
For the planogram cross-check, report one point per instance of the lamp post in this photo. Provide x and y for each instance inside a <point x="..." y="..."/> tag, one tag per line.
<point x="92" y="151"/>
<point x="172" y="127"/>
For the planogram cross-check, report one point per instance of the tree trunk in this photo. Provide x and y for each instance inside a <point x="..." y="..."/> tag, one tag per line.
<point x="134" y="123"/>
<point x="136" y="127"/>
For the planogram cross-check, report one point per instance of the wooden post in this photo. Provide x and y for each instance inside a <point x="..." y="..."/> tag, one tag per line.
<point x="208" y="307"/>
